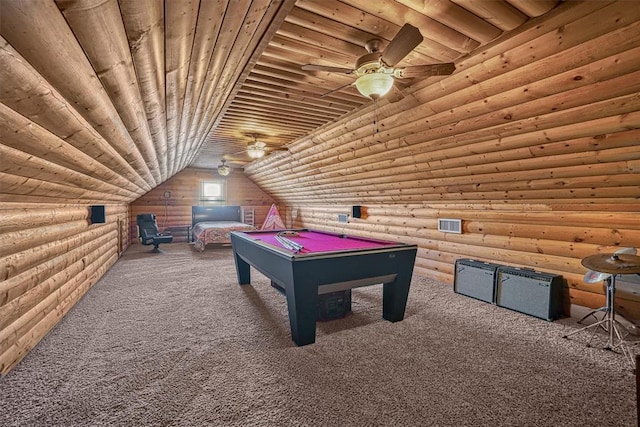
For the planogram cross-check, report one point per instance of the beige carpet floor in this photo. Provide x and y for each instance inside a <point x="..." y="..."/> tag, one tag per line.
<point x="171" y="340"/>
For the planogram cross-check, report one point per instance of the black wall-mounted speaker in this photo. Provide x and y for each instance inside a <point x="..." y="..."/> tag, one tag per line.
<point x="475" y="279"/>
<point x="356" y="211"/>
<point x="530" y="292"/>
<point x="98" y="215"/>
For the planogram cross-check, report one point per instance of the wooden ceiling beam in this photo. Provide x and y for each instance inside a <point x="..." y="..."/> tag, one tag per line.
<point x="309" y="99"/>
<point x="351" y="98"/>
<point x="19" y="163"/>
<point x="180" y="23"/>
<point x="534" y="8"/>
<point x="274" y="13"/>
<point x="316" y="79"/>
<point x="268" y="113"/>
<point x="36" y="141"/>
<point x="428" y="48"/>
<point x="272" y="60"/>
<point x="334" y="44"/>
<point x="235" y="137"/>
<point x="364" y="14"/>
<point x="499" y="13"/>
<point x="99" y="29"/>
<point x="207" y="49"/>
<point x="232" y="116"/>
<point x="314" y="54"/>
<point x="28" y="94"/>
<point x="293" y="106"/>
<point x="456" y="17"/>
<point x="289" y="114"/>
<point x="54" y="52"/>
<point x="20" y="185"/>
<point x="224" y="68"/>
<point x="296" y="60"/>
<point x="144" y="25"/>
<point x="258" y="128"/>
<point x="305" y="80"/>
<point x="323" y="41"/>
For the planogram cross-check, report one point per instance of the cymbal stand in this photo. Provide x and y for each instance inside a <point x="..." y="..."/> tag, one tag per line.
<point x="604" y="308"/>
<point x="609" y="324"/>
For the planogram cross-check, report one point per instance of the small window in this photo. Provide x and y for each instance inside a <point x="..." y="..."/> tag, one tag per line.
<point x="213" y="191"/>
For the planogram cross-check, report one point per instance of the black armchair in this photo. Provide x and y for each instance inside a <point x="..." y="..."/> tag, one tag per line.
<point x="148" y="232"/>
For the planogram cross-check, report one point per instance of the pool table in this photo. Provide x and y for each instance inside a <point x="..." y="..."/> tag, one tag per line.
<point x="327" y="262"/>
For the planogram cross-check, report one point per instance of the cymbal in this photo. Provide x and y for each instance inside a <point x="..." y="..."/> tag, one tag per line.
<point x="613" y="263"/>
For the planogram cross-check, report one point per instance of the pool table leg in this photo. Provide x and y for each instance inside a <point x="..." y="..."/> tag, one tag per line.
<point x="395" y="294"/>
<point x="242" y="270"/>
<point x="394" y="298"/>
<point x="302" y="303"/>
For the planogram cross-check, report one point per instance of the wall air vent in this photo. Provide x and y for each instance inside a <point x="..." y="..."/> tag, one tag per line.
<point x="447" y="225"/>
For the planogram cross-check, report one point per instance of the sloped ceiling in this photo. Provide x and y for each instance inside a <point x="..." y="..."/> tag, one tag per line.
<point x="279" y="103"/>
<point x="104" y="99"/>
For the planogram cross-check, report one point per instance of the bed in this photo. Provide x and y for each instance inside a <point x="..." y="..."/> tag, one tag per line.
<point x="214" y="224"/>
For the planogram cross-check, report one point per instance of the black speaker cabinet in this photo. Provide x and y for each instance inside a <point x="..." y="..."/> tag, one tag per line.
<point x="530" y="292"/>
<point x="334" y="305"/>
<point x="98" y="215"/>
<point x="475" y="279"/>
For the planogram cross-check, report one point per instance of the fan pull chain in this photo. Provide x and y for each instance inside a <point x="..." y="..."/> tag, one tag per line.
<point x="375" y="117"/>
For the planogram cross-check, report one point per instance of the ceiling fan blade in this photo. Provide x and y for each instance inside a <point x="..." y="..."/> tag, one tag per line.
<point x="313" y="67"/>
<point x="404" y="42"/>
<point x="428" y="70"/>
<point x="236" y="155"/>
<point x="230" y="158"/>
<point x="270" y="150"/>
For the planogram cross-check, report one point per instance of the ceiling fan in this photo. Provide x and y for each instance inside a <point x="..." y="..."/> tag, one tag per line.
<point x="375" y="71"/>
<point x="224" y="169"/>
<point x="255" y="150"/>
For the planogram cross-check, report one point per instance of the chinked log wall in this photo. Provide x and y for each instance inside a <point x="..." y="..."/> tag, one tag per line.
<point x="185" y="193"/>
<point x="50" y="255"/>
<point x="533" y="143"/>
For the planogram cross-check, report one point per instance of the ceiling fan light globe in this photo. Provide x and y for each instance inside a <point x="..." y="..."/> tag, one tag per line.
<point x="255" y="151"/>
<point x="374" y="85"/>
<point x="223" y="169"/>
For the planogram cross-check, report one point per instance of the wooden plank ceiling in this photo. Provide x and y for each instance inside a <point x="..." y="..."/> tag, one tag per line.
<point x="279" y="103"/>
<point x="105" y="99"/>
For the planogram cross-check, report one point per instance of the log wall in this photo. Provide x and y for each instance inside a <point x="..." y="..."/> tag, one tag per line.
<point x="174" y="213"/>
<point x="50" y="255"/>
<point x="534" y="143"/>
<point x="100" y="102"/>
